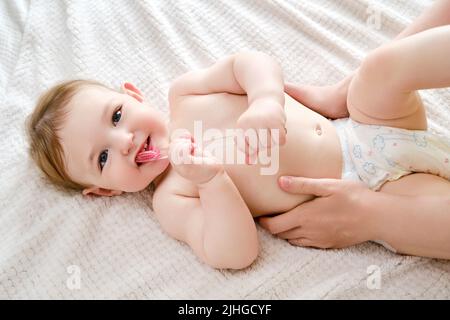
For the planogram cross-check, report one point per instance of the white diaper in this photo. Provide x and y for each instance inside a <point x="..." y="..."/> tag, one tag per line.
<point x="376" y="154"/>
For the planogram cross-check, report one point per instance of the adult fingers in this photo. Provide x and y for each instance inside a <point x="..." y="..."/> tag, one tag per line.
<point x="295" y="233"/>
<point x="306" y="242"/>
<point x="284" y="221"/>
<point x="317" y="187"/>
<point x="302" y="242"/>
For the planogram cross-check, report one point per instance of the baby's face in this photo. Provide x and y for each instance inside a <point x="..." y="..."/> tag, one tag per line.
<point x="101" y="137"/>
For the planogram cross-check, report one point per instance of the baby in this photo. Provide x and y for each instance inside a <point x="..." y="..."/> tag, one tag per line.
<point x="88" y="137"/>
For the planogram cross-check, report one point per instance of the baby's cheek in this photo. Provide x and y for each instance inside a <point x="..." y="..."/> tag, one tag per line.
<point x="156" y="121"/>
<point x="122" y="179"/>
<point x="134" y="179"/>
<point x="137" y="180"/>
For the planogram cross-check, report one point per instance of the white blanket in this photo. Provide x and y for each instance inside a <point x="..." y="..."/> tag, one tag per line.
<point x="57" y="245"/>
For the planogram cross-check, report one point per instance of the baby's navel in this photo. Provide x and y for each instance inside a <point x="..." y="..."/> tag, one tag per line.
<point x="318" y="129"/>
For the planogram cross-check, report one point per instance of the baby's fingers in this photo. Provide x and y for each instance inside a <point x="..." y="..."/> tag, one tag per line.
<point x="200" y="156"/>
<point x="247" y="143"/>
<point x="181" y="152"/>
<point x="279" y="135"/>
<point x="264" y="138"/>
<point x="271" y="137"/>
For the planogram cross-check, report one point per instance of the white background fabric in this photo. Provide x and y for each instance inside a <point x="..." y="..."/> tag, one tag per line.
<point x="116" y="243"/>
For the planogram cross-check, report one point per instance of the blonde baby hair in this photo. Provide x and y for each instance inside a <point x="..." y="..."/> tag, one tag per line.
<point x="43" y="125"/>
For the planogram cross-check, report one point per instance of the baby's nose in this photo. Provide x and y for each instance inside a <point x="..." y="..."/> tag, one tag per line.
<point x="127" y="144"/>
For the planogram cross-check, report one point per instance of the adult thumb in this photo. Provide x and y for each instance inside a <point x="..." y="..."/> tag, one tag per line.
<point x="301" y="185"/>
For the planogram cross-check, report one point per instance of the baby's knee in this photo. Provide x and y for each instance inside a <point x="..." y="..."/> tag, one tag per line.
<point x="378" y="67"/>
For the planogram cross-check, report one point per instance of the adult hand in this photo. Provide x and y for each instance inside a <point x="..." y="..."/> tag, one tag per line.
<point x="329" y="101"/>
<point x="334" y="219"/>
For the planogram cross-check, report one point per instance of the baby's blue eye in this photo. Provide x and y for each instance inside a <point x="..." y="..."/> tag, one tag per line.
<point x="102" y="159"/>
<point x="117" y="115"/>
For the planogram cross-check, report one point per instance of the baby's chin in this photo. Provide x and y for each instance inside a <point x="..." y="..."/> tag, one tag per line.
<point x="163" y="165"/>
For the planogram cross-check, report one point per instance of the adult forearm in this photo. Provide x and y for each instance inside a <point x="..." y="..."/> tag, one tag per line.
<point x="412" y="225"/>
<point x="230" y="235"/>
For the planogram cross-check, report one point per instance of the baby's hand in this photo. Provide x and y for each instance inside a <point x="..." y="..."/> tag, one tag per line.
<point x="261" y="116"/>
<point x="191" y="162"/>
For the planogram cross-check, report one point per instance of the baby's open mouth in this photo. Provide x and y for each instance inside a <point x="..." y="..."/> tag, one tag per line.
<point x="147" y="146"/>
<point x="149" y="153"/>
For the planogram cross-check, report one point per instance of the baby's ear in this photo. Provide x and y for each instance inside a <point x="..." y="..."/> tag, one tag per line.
<point x="101" y="192"/>
<point x="130" y="89"/>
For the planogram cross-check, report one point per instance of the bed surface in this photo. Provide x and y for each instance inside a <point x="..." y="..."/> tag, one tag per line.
<point x="114" y="246"/>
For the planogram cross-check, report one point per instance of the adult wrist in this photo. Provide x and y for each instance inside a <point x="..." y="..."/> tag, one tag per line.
<point x="369" y="205"/>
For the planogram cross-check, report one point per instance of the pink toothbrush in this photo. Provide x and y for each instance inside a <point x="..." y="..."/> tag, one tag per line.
<point x="155" y="153"/>
<point x="150" y="155"/>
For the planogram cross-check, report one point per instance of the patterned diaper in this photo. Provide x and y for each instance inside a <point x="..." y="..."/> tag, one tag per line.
<point x="377" y="154"/>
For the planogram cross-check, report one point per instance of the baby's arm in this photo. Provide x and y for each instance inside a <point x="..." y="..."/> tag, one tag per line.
<point x="253" y="73"/>
<point x="218" y="225"/>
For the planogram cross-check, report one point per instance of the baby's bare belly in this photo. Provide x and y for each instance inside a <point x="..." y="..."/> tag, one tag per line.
<point x="312" y="149"/>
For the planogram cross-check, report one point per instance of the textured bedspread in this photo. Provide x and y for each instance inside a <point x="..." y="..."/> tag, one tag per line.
<point x="56" y="245"/>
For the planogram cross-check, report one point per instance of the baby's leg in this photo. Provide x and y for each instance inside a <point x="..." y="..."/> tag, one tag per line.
<point x="384" y="89"/>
